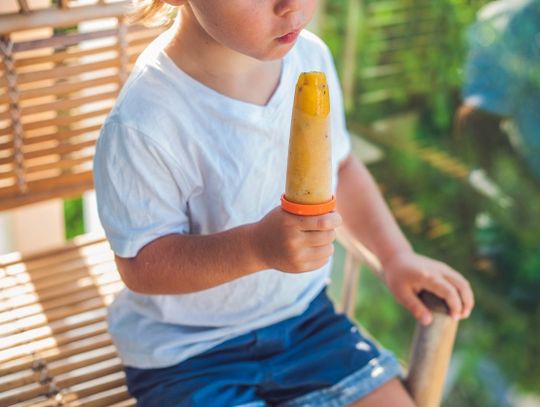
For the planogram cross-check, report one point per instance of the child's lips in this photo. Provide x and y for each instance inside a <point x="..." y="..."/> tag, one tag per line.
<point x="289" y="37"/>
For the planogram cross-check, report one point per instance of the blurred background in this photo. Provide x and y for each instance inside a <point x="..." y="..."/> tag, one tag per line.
<point x="461" y="189"/>
<point x="443" y="102"/>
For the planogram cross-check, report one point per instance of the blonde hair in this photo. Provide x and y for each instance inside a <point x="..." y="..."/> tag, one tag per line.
<point x="151" y="13"/>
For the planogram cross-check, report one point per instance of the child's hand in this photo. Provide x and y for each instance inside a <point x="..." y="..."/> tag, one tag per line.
<point x="293" y="243"/>
<point x="407" y="274"/>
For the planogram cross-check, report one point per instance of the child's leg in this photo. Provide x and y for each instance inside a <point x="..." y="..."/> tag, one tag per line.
<point x="321" y="359"/>
<point x="391" y="394"/>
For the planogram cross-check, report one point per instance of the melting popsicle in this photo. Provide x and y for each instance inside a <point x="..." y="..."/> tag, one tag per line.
<point x="309" y="168"/>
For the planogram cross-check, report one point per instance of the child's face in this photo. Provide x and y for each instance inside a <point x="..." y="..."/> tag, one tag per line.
<point x="262" y="29"/>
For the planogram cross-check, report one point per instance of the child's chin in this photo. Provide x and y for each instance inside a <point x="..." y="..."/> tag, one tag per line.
<point x="276" y="53"/>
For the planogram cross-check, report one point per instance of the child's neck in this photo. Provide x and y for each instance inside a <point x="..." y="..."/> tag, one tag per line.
<point x="228" y="72"/>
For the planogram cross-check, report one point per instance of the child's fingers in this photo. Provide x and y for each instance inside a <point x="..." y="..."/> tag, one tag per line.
<point x="448" y="293"/>
<point x="320" y="238"/>
<point x="410" y="300"/>
<point x="328" y="221"/>
<point x="464" y="289"/>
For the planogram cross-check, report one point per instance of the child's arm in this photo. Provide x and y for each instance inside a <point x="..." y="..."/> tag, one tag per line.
<point x="367" y="216"/>
<point x="179" y="264"/>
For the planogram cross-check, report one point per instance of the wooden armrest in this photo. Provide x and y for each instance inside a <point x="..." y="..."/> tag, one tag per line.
<point x="432" y="345"/>
<point x="431" y="352"/>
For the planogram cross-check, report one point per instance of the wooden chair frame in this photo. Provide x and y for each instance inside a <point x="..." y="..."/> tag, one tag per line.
<point x="54" y="348"/>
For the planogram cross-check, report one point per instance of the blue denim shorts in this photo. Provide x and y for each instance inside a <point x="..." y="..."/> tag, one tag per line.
<point x="318" y="358"/>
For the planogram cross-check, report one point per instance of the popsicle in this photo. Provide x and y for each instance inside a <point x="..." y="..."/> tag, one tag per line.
<point x="308" y="188"/>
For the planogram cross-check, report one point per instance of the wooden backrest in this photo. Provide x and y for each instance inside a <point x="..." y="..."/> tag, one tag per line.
<point x="57" y="83"/>
<point x="60" y="73"/>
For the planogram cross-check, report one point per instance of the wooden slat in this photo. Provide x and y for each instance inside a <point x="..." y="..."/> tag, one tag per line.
<point x="59" y="360"/>
<point x="9" y="178"/>
<point x="82" y="356"/>
<point x="117" y="396"/>
<point x="60" y="18"/>
<point x="60" y="307"/>
<point x="67" y="71"/>
<point x="15" y="347"/>
<point x="91" y="372"/>
<point x="103" y="394"/>
<point x="24" y="288"/>
<point x="41" y="320"/>
<point x="90" y="350"/>
<point x="63" y="164"/>
<point x="126" y="403"/>
<point x="9" y="182"/>
<point x="6" y="131"/>
<point x="25" y="392"/>
<point x="106" y="274"/>
<point x="66" y="87"/>
<point x="7" y="145"/>
<point x="63" y="40"/>
<point x="41" y="270"/>
<point x="10" y="159"/>
<point x="65" y="120"/>
<point x="58" y="328"/>
<point x="61" y="136"/>
<point x="45" y="275"/>
<point x="60" y="149"/>
<point x="15" y="199"/>
<point x="71" y="103"/>
<point x="96" y="355"/>
<point x="73" y="53"/>
<point x="4" y="98"/>
<point x="80" y="246"/>
<point x="100" y="276"/>
<point x="5" y="115"/>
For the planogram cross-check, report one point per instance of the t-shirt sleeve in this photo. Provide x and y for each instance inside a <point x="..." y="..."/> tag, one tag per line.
<point x="140" y="190"/>
<point x="341" y="139"/>
<point x="494" y="71"/>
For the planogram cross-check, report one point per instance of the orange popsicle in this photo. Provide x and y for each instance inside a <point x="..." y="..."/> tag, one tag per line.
<point x="309" y="168"/>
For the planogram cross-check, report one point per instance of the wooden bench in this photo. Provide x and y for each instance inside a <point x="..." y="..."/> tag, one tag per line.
<point x="54" y="345"/>
<point x="54" y="93"/>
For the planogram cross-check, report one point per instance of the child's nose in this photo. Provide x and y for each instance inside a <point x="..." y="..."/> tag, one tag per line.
<point x="284" y="7"/>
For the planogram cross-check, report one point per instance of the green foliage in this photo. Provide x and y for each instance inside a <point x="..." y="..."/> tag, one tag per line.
<point x="496" y="248"/>
<point x="407" y="51"/>
<point x="410" y="56"/>
<point x="73" y="217"/>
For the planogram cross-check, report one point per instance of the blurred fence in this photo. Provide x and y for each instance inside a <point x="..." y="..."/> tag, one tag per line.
<point x="393" y="51"/>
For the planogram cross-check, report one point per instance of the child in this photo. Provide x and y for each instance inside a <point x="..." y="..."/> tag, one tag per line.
<point x="225" y="302"/>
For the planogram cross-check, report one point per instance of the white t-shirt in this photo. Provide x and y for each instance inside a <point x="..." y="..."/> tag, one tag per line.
<point x="175" y="156"/>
